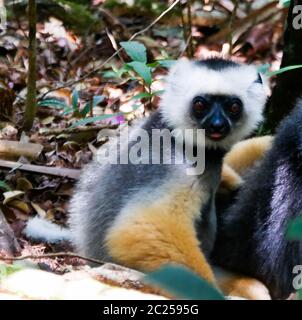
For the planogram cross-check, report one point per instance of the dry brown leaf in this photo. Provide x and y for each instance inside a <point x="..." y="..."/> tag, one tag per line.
<point x="11" y="195"/>
<point x="21" y="205"/>
<point x="48" y="120"/>
<point x="23" y="184"/>
<point x="260" y="37"/>
<point x="7" y="98"/>
<point x="39" y="210"/>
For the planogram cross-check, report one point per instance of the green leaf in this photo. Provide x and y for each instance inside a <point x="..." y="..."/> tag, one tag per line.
<point x="67" y="110"/>
<point x="53" y="103"/>
<point x="153" y="64"/>
<point x="95" y="101"/>
<point x="7" y="269"/>
<point x="86" y="109"/>
<point x="75" y="100"/>
<point x="4" y="185"/>
<point x="135" y="50"/>
<point x="158" y="92"/>
<point x="183" y="283"/>
<point x="142" y="95"/>
<point x="142" y="70"/>
<point x="284" y="3"/>
<point x="294" y="229"/>
<point x="282" y="70"/>
<point x="110" y="74"/>
<point x="166" y="63"/>
<point x="116" y="73"/>
<point x="94" y="119"/>
<point x="263" y="68"/>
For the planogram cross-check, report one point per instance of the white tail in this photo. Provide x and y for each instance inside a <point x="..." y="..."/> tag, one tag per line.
<point x="38" y="228"/>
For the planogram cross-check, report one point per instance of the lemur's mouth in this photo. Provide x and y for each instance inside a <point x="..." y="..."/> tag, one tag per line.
<point x="216" y="136"/>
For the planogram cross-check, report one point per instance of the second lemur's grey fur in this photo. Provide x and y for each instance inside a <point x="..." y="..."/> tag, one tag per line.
<point x="252" y="236"/>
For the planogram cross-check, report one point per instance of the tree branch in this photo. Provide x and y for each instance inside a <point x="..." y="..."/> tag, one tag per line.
<point x="51" y="255"/>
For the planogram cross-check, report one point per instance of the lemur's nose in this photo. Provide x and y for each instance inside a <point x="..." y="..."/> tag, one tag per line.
<point x="218" y="126"/>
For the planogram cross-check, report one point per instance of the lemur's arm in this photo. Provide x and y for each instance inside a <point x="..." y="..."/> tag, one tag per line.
<point x="239" y="159"/>
<point x="230" y="179"/>
<point x="246" y="153"/>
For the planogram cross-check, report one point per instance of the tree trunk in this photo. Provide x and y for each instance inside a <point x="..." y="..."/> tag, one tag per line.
<point x="288" y="86"/>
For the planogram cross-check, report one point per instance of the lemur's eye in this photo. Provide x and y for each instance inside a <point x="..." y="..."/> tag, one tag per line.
<point x="235" y="108"/>
<point x="199" y="106"/>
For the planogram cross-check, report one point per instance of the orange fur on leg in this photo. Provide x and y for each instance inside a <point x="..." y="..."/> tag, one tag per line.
<point x="159" y="233"/>
<point x="245" y="153"/>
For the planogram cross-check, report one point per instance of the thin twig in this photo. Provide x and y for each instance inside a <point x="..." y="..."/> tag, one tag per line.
<point x="190" y="38"/>
<point x="155" y="21"/>
<point x="52" y="255"/>
<point x="70" y="83"/>
<point x="184" y="50"/>
<point x="53" y="171"/>
<point x="70" y="130"/>
<point x="184" y="30"/>
<point x="231" y="25"/>
<point x="114" y="44"/>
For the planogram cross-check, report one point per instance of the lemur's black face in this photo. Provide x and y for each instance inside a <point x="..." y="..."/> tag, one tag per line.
<point x="217" y="114"/>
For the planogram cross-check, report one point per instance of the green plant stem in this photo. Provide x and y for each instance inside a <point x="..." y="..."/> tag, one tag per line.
<point x="31" y="99"/>
<point x="91" y="107"/>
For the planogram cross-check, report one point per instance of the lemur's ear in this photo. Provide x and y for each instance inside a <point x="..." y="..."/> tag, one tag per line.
<point x="259" y="79"/>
